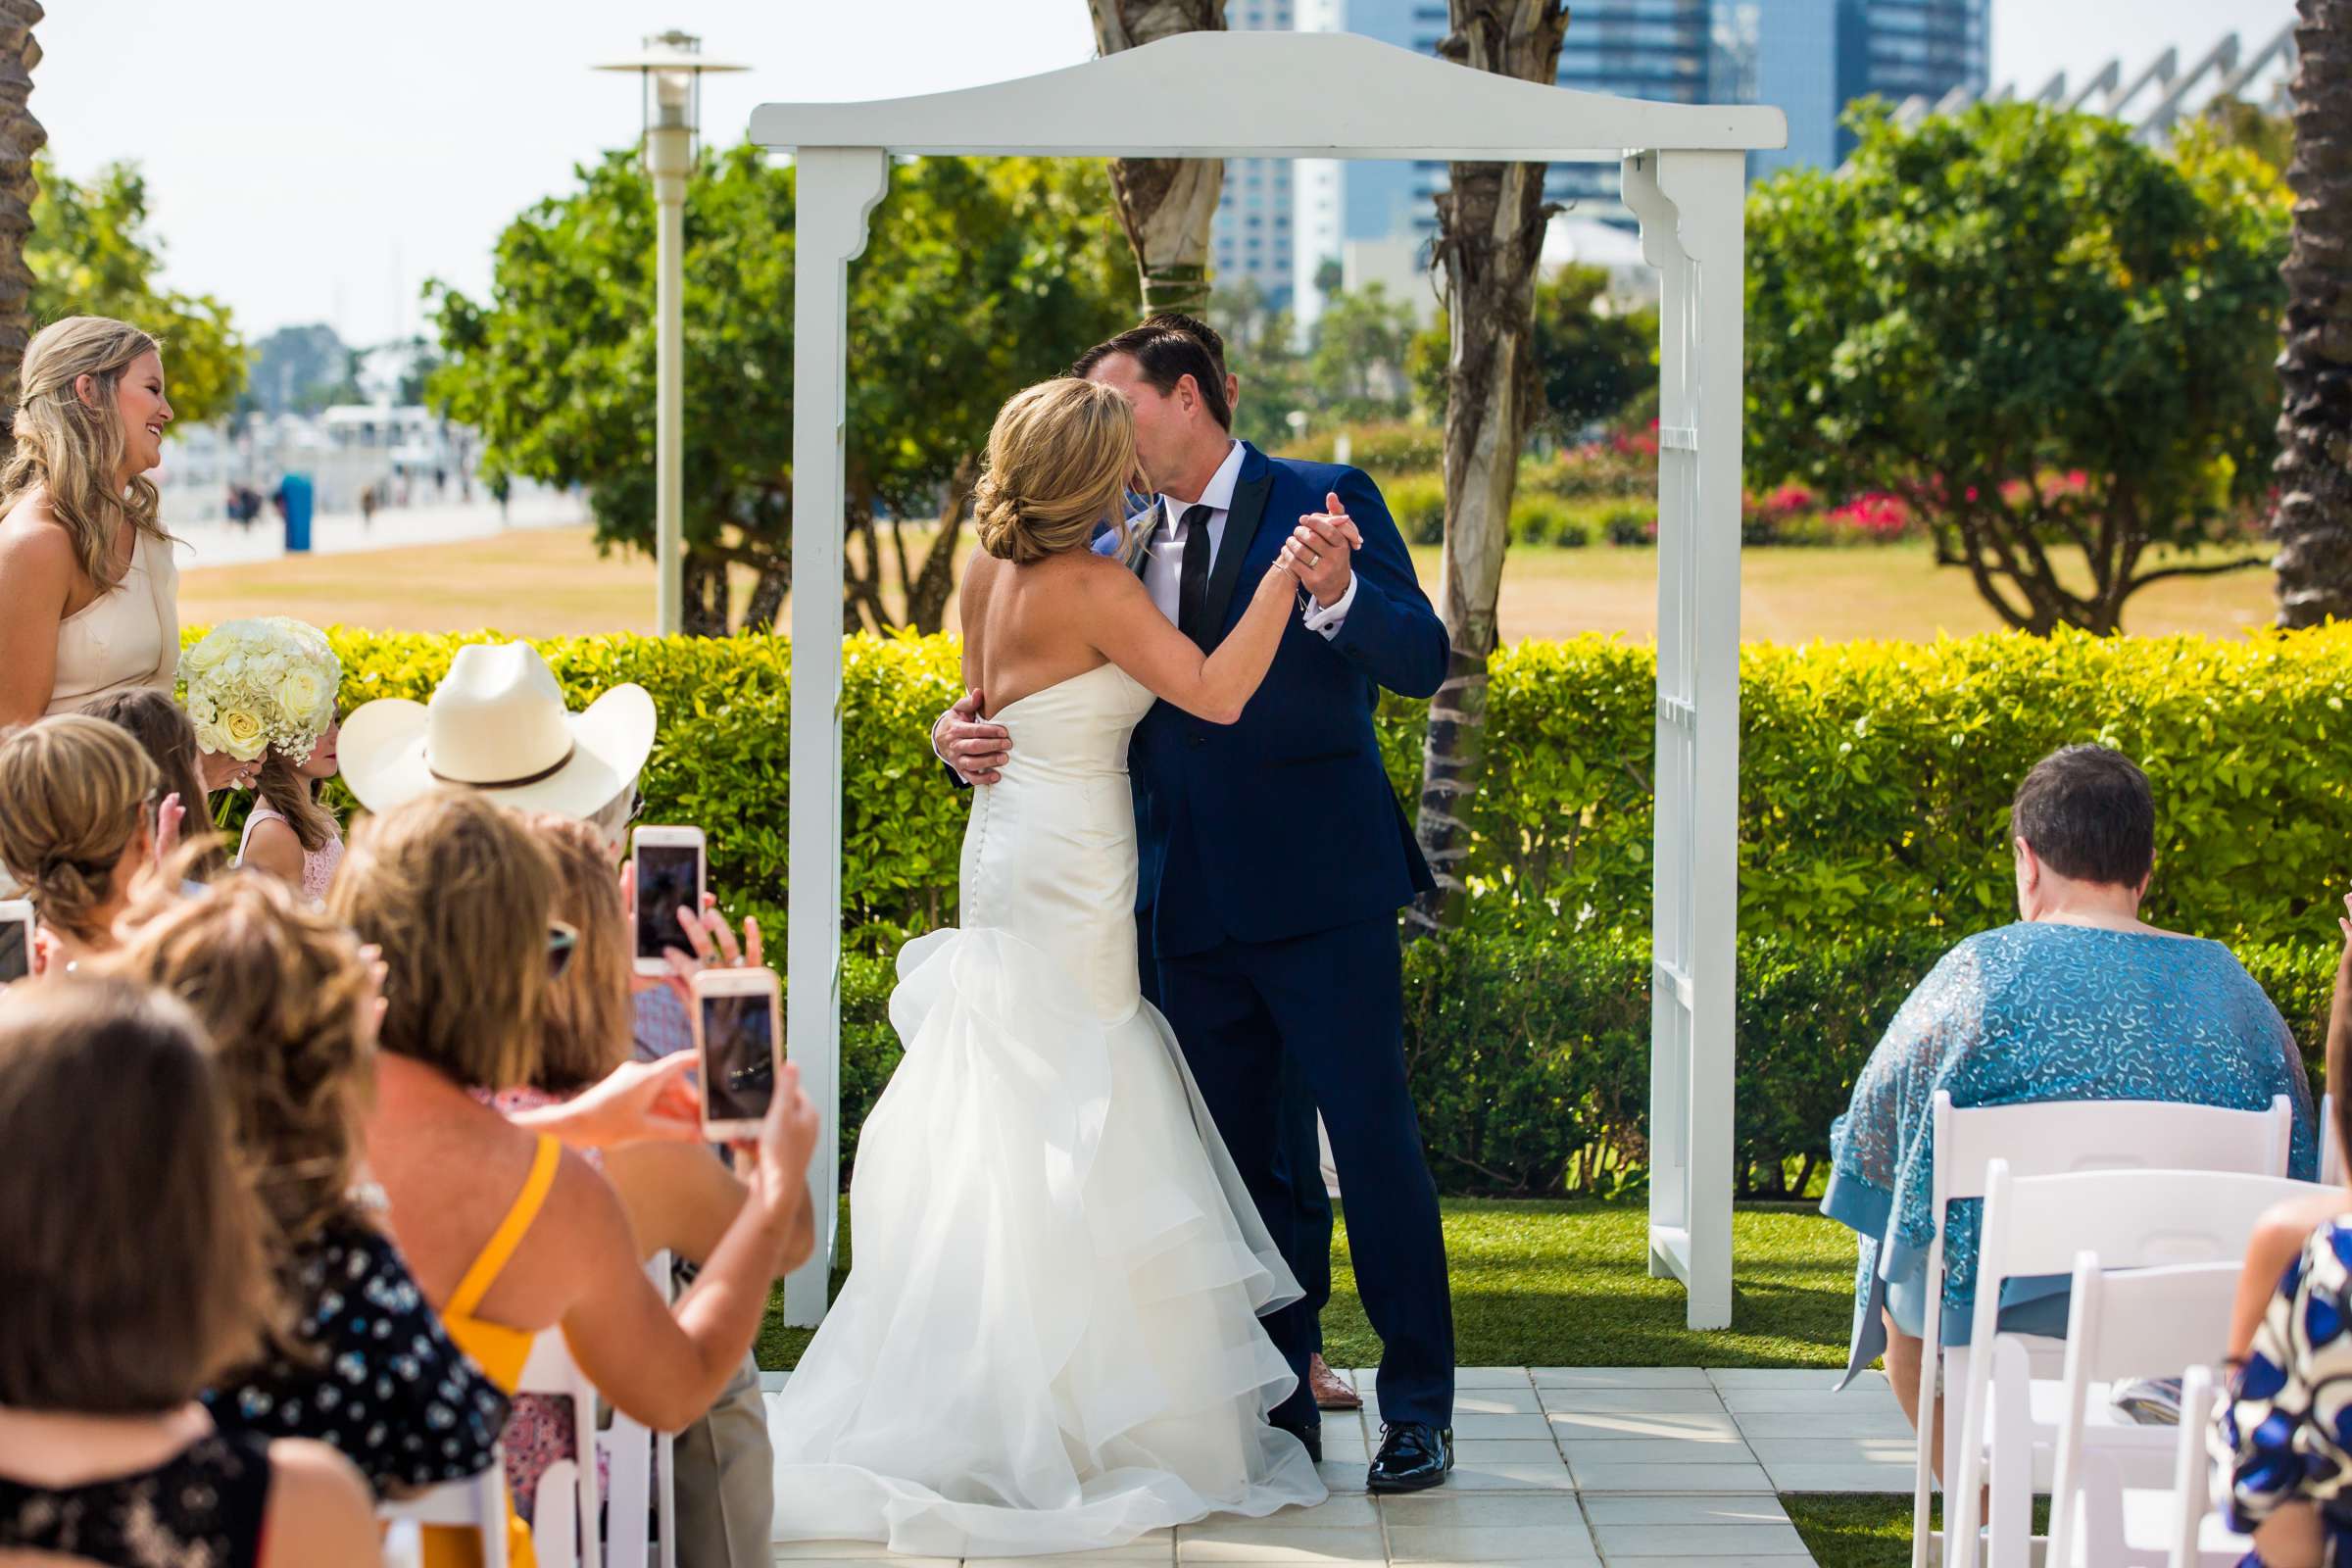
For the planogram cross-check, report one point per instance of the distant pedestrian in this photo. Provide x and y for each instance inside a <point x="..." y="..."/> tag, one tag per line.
<point x="367" y="507"/>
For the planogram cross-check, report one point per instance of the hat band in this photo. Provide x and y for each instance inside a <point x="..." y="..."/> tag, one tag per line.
<point x="562" y="762"/>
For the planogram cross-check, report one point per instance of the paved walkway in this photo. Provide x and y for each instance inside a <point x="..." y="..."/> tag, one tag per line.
<point x="217" y="542"/>
<point x="1654" y="1467"/>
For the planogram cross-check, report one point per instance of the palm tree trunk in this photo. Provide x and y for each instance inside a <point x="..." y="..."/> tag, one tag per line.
<point x="2314" y="520"/>
<point x="1165" y="203"/>
<point x="20" y="136"/>
<point x="1491" y="221"/>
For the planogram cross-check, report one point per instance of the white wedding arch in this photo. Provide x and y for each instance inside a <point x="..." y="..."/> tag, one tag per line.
<point x="1336" y="95"/>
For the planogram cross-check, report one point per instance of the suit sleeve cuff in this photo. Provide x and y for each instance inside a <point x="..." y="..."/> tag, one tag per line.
<point x="1327" y="619"/>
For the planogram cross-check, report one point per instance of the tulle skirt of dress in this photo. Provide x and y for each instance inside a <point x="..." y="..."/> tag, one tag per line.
<point x="1049" y="1340"/>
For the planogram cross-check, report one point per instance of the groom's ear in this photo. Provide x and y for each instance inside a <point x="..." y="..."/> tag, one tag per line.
<point x="1233" y="391"/>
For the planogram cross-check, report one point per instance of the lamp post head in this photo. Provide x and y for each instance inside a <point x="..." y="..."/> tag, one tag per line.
<point x="671" y="66"/>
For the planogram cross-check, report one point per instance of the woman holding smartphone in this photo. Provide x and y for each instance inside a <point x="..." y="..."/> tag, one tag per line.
<point x="506" y="1232"/>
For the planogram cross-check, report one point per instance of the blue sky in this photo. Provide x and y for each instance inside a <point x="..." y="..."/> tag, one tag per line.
<point x="314" y="161"/>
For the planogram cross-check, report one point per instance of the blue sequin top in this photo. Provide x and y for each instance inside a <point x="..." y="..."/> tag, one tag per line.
<point x="2032" y="1011"/>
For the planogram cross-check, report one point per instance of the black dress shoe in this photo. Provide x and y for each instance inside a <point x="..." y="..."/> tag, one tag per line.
<point x="1413" y="1458"/>
<point x="1309" y="1436"/>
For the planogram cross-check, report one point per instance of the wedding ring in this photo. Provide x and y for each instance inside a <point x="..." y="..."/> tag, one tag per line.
<point x="1313" y="560"/>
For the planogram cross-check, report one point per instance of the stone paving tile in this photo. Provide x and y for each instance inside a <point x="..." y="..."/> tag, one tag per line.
<point x="1486" y="1475"/>
<point x="1361" y="1511"/>
<point x="1636" y="1402"/>
<point x="1506" y="1451"/>
<point x="1698" y="1540"/>
<point x="1902" y="1450"/>
<point x="1764" y="1509"/>
<point x="1682" y="1478"/>
<point x="1663" y="1454"/>
<point x="1808" y="1401"/>
<point x="1621" y="1377"/>
<point x="1444" y="1505"/>
<point x="1419" y="1544"/>
<point x="1210" y="1543"/>
<point x="1501" y="1426"/>
<point x="1875" y="1425"/>
<point x="1756" y="1377"/>
<point x="1576" y="1426"/>
<point x="833" y="1550"/>
<point x="1841" y="1476"/>
<point x="1794" y="1560"/>
<point x="1520" y="1400"/>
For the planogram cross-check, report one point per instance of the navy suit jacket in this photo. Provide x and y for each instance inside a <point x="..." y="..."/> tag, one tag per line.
<point x="1284" y="822"/>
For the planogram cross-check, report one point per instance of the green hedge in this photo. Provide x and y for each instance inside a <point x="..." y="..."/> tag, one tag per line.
<point x="1874" y="778"/>
<point x="1875" y="785"/>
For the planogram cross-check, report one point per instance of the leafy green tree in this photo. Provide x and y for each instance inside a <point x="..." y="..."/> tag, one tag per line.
<point x="2037" y="333"/>
<point x="979" y="278"/>
<point x="91" y="253"/>
<point x="1589" y="361"/>
<point x="1356" y="365"/>
<point x="300" y="368"/>
<point x="1261" y="348"/>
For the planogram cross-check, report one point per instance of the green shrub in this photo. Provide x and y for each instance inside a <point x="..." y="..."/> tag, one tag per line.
<point x="1631" y="526"/>
<point x="1875" y="788"/>
<point x="1418" y="502"/>
<point x="1392" y="447"/>
<point x="1542" y="520"/>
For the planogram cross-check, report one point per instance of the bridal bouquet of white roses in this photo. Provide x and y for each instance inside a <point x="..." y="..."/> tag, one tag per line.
<point x="260" y="683"/>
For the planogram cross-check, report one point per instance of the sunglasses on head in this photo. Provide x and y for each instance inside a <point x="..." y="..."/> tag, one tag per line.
<point x="563" y="940"/>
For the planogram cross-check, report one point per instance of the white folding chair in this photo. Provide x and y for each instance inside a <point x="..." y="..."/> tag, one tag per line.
<point x="2037" y="1226"/>
<point x="565" y="1529"/>
<point x="2145" y="1323"/>
<point x="2047" y="1137"/>
<point x="640" y="1475"/>
<point x="479" y="1504"/>
<point x="2199" y="1537"/>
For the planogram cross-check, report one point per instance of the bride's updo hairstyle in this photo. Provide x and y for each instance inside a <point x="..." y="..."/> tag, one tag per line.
<point x="1060" y="457"/>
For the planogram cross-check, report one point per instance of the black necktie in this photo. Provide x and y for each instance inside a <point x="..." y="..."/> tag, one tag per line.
<point x="1192" y="582"/>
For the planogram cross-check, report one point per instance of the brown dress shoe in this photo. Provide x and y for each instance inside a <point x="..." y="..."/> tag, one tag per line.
<point x="1332" y="1391"/>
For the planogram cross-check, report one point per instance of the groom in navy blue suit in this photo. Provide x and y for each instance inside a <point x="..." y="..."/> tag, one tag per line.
<point x="1274" y="858"/>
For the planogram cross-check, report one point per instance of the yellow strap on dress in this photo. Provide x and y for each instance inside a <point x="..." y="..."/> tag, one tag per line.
<point x="498" y="1349"/>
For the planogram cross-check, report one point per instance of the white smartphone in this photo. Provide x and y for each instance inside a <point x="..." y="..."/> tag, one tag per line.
<point x="672" y="870"/>
<point x="738" y="1040"/>
<point x="15" y="940"/>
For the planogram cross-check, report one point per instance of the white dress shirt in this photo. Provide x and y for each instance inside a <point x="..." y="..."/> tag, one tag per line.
<point x="1164" y="547"/>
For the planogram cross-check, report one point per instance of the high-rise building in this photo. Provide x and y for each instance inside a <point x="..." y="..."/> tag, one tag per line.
<point x="1809" y="57"/>
<point x="1253" y="236"/>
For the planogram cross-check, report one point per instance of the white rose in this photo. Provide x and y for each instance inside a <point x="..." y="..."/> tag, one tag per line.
<point x="242" y="735"/>
<point x="300" y="691"/>
<point x="200" y="709"/>
<point x="206" y="656"/>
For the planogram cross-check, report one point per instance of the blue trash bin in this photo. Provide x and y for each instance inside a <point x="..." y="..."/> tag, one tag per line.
<point x="296" y="488"/>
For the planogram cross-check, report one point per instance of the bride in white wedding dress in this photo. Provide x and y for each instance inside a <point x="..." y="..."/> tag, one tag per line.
<point x="1049" y="1341"/>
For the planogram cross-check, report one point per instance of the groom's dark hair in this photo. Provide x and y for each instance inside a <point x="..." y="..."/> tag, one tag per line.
<point x="1167" y="354"/>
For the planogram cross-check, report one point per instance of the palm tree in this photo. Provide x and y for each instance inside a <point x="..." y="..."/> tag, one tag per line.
<point x="1165" y="203"/>
<point x="2314" y="520"/>
<point x="1490" y="220"/>
<point x="20" y="136"/>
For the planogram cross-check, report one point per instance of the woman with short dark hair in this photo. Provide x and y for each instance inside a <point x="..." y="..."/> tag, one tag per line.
<point x="132" y="1263"/>
<point x="2080" y="1000"/>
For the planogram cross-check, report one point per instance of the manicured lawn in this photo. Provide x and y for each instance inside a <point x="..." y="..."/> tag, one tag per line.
<point x="1567" y="1284"/>
<point x="544" y="583"/>
<point x="1868" y="1531"/>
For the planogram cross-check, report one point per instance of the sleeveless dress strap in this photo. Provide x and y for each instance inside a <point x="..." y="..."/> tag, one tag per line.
<point x="509" y="1235"/>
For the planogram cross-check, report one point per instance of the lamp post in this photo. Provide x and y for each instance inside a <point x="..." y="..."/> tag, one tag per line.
<point x="671" y="67"/>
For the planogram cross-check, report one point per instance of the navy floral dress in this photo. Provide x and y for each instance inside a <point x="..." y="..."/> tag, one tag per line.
<point x="2285" y="1433"/>
<point x="384" y="1383"/>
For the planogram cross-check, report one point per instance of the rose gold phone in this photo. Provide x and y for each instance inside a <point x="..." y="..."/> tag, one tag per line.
<point x="671" y="874"/>
<point x="738" y="1041"/>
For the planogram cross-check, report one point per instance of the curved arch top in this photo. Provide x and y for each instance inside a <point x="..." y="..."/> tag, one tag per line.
<point x="1273" y="95"/>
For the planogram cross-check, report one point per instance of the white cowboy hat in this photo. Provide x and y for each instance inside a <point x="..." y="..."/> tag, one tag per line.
<point x="497" y="723"/>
